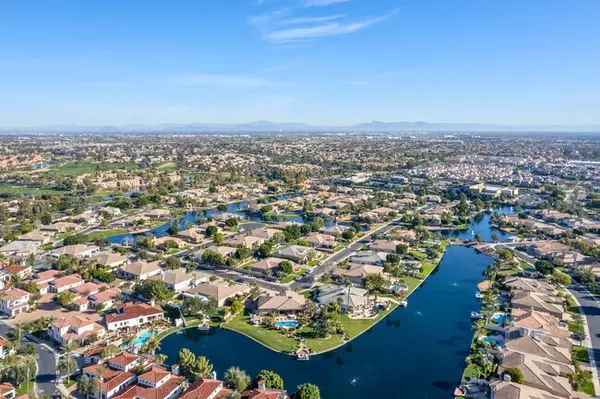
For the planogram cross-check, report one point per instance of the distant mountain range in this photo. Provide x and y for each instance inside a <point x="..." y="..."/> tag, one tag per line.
<point x="273" y="127"/>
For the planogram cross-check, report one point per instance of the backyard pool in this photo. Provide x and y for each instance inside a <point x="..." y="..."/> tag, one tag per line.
<point x="499" y="318"/>
<point x="493" y="340"/>
<point x="400" y="287"/>
<point x="141" y="340"/>
<point x="289" y="323"/>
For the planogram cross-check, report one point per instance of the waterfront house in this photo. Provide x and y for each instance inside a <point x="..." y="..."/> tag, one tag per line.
<point x="356" y="273"/>
<point x="245" y="241"/>
<point x="349" y="298"/>
<point x="285" y="302"/>
<point x="525" y="322"/>
<point x="529" y="285"/>
<point x="370" y="257"/>
<point x="204" y="388"/>
<point x="220" y="291"/>
<point x="538" y="301"/>
<point x="550" y="348"/>
<point x="155" y="383"/>
<point x="512" y="390"/>
<point x="387" y="246"/>
<point x="539" y="372"/>
<point x="66" y="329"/>
<point x="14" y="301"/>
<point x="160" y="242"/>
<point x="129" y="315"/>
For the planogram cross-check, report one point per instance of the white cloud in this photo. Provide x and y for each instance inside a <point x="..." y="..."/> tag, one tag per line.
<point x="323" y="30"/>
<point x="227" y="81"/>
<point x="321" y="3"/>
<point x="311" y="20"/>
<point x="268" y="17"/>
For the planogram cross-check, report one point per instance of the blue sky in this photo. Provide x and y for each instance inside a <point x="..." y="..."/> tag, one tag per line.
<point x="117" y="62"/>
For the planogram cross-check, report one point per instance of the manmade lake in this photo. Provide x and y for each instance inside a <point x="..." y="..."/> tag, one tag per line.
<point x="415" y="352"/>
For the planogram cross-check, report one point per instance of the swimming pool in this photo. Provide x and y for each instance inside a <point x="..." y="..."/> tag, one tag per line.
<point x="289" y="323"/>
<point x="141" y="340"/>
<point x="492" y="340"/>
<point x="400" y="287"/>
<point x="499" y="318"/>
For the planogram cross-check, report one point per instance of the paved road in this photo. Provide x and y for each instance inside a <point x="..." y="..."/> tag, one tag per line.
<point x="46" y="363"/>
<point x="591" y="308"/>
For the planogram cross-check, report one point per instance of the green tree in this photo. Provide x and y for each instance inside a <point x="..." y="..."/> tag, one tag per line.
<point x="515" y="373"/>
<point x="160" y="358"/>
<point x="218" y="238"/>
<point x="172" y="263"/>
<point x="202" y="367"/>
<point x="151" y="345"/>
<point x="286" y="267"/>
<point x="237" y="379"/>
<point x="186" y="361"/>
<point x="495" y="237"/>
<point x="401" y="249"/>
<point x="155" y="290"/>
<point x="272" y="380"/>
<point x="561" y="278"/>
<point x="243" y="253"/>
<point x="67" y="366"/>
<point x="172" y="230"/>
<point x="307" y="391"/>
<point x="544" y="267"/>
<point x="65" y="298"/>
<point x="376" y="283"/>
<point x="211" y="230"/>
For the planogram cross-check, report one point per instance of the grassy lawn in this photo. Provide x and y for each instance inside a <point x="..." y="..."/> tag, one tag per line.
<point x="82" y="167"/>
<point x="426" y="269"/>
<point x="588" y="387"/>
<point x="166" y="332"/>
<point x="472" y="370"/>
<point x="418" y="254"/>
<point x="167" y="167"/>
<point x="412" y="283"/>
<point x="355" y="327"/>
<point x="580" y="354"/>
<point x="313" y="262"/>
<point x="106" y="233"/>
<point x="9" y="189"/>
<point x="25" y="387"/>
<point x="323" y="345"/>
<point x="270" y="338"/>
<point x="69" y="382"/>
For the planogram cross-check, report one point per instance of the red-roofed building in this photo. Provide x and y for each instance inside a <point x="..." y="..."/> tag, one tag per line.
<point x="130" y="315"/>
<point x="7" y="390"/>
<point x="4" y="348"/>
<point x="156" y="383"/>
<point x="42" y="280"/>
<point x="65" y="283"/>
<point x="14" y="301"/>
<point x="21" y="271"/>
<point x="67" y="329"/>
<point x="111" y="380"/>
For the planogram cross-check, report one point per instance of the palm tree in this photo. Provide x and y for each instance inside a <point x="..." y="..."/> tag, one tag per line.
<point x="67" y="365"/>
<point x="160" y="358"/>
<point x="151" y="345"/>
<point x="127" y="340"/>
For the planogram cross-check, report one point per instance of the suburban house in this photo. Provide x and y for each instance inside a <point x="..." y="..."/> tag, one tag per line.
<point x="512" y="390"/>
<point x="67" y="329"/>
<point x="193" y="235"/>
<point x="20" y="270"/>
<point x="155" y="383"/>
<point x="220" y="291"/>
<point x="111" y="260"/>
<point x="206" y="389"/>
<point x="350" y="297"/>
<point x="60" y="227"/>
<point x="525" y="322"/>
<point x="529" y="284"/>
<point x="42" y="280"/>
<point x="65" y="283"/>
<point x="77" y="250"/>
<point x="538" y="301"/>
<point x="119" y="374"/>
<point x="245" y="241"/>
<point x="40" y="237"/>
<point x="130" y="315"/>
<point x="370" y="258"/>
<point x="405" y="235"/>
<point x="19" y="249"/>
<point x="269" y="264"/>
<point x="285" y="302"/>
<point x="297" y="253"/>
<point x="4" y="348"/>
<point x="334" y="230"/>
<point x="178" y="279"/>
<point x="266" y="233"/>
<point x="356" y="273"/>
<point x="140" y="270"/>
<point x="14" y="301"/>
<point x="104" y="299"/>
<point x="160" y="242"/>
<point x="319" y="240"/>
<point x="387" y="246"/>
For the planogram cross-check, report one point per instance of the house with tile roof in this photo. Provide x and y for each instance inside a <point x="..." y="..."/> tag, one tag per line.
<point x="356" y="273"/>
<point x="512" y="390"/>
<point x="285" y="302"/>
<point x="155" y="383"/>
<point x="538" y="301"/>
<point x="14" y="301"/>
<point x="204" y="388"/>
<point x="130" y="315"/>
<point x="220" y="291"/>
<point x="77" y="250"/>
<point x="140" y="270"/>
<point x="65" y="283"/>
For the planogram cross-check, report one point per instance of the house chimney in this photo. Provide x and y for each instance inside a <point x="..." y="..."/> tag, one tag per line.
<point x="261" y="385"/>
<point x="213" y="375"/>
<point x="175" y="369"/>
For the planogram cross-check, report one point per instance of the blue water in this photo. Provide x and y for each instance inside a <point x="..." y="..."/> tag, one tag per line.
<point x="400" y="287"/>
<point x="493" y="341"/>
<point x="141" y="340"/>
<point x="499" y="318"/>
<point x="481" y="224"/>
<point x="286" y="324"/>
<point x="195" y="216"/>
<point x="414" y="352"/>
